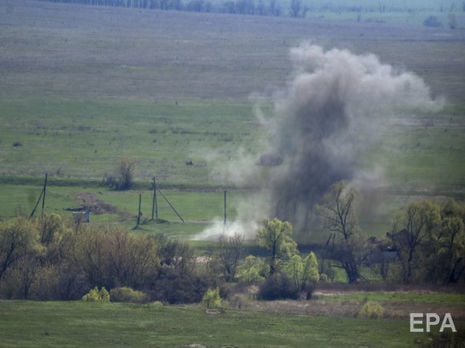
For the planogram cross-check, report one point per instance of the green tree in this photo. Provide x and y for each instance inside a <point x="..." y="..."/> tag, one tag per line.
<point x="295" y="270"/>
<point x="413" y="228"/>
<point x="212" y="299"/>
<point x="252" y="270"/>
<point x="19" y="239"/>
<point x="444" y="250"/>
<point x="276" y="236"/>
<point x="310" y="271"/>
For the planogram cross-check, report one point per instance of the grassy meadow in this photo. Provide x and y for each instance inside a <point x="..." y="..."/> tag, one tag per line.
<point x="73" y="324"/>
<point x="85" y="86"/>
<point x="82" y="87"/>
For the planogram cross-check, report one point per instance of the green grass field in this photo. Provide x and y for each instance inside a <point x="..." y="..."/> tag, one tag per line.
<point x="73" y="324"/>
<point x="84" y="86"/>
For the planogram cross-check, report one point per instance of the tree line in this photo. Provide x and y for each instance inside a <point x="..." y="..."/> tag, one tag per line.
<point x="425" y="246"/>
<point x="52" y="258"/>
<point x="242" y="7"/>
<point x="295" y="8"/>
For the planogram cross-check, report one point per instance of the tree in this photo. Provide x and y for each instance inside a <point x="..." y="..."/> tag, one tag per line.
<point x="252" y="270"/>
<point x="212" y="299"/>
<point x="126" y="167"/>
<point x="276" y="236"/>
<point x="19" y="239"/>
<point x="412" y="227"/>
<point x="295" y="8"/>
<point x="229" y="254"/>
<point x="310" y="271"/>
<point x="295" y="270"/>
<point x="443" y="251"/>
<point x="344" y="242"/>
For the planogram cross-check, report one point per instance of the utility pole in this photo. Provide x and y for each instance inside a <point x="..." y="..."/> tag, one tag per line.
<point x="139" y="213"/>
<point x="224" y="201"/>
<point x="41" y="197"/>
<point x="154" y="200"/>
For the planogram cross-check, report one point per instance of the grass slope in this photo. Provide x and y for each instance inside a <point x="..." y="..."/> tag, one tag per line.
<point x="73" y="324"/>
<point x="83" y="86"/>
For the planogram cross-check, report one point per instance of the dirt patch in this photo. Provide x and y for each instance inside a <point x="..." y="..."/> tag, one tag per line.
<point x="90" y="201"/>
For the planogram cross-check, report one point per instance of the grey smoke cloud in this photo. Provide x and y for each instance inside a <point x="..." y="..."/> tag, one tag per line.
<point x="333" y="108"/>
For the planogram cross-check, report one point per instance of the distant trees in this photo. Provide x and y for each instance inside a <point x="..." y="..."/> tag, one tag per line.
<point x="48" y="258"/>
<point x="295" y="9"/>
<point x="430" y="241"/>
<point x="70" y="261"/>
<point x="243" y="7"/>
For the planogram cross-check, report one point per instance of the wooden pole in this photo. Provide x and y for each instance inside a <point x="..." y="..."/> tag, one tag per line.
<point x="154" y="200"/>
<point x="139" y="213"/>
<point x="43" y="196"/>
<point x="224" y="199"/>
<point x="172" y="207"/>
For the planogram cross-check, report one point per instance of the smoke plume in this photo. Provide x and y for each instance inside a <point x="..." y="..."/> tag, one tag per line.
<point x="334" y="107"/>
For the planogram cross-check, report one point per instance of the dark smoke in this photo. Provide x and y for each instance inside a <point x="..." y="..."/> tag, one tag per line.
<point x="333" y="109"/>
<point x="335" y="106"/>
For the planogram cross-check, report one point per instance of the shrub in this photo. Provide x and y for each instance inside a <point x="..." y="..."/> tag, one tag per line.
<point x="252" y="270"/>
<point x="278" y="287"/>
<point x="432" y="21"/>
<point x="212" y="299"/>
<point x="126" y="294"/>
<point x="94" y="295"/>
<point x="126" y="168"/>
<point x="371" y="310"/>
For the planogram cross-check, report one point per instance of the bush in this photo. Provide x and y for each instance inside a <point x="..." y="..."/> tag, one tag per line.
<point x="126" y="168"/>
<point x="126" y="294"/>
<point x="175" y="288"/>
<point x="94" y="295"/>
<point x="278" y="287"/>
<point x="371" y="310"/>
<point x="212" y="299"/>
<point x="432" y="21"/>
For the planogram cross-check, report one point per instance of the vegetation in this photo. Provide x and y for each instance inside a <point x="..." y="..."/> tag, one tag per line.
<point x="96" y="295"/>
<point x="275" y="236"/>
<point x="45" y="324"/>
<point x="69" y="261"/>
<point x="371" y="310"/>
<point x="126" y="294"/>
<point x="340" y="219"/>
<point x="50" y="258"/>
<point x="212" y="299"/>
<point x="291" y="8"/>
<point x="141" y="94"/>
<point x="430" y="239"/>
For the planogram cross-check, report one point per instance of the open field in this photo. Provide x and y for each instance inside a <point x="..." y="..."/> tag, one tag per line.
<point x="73" y="324"/>
<point x="84" y="86"/>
